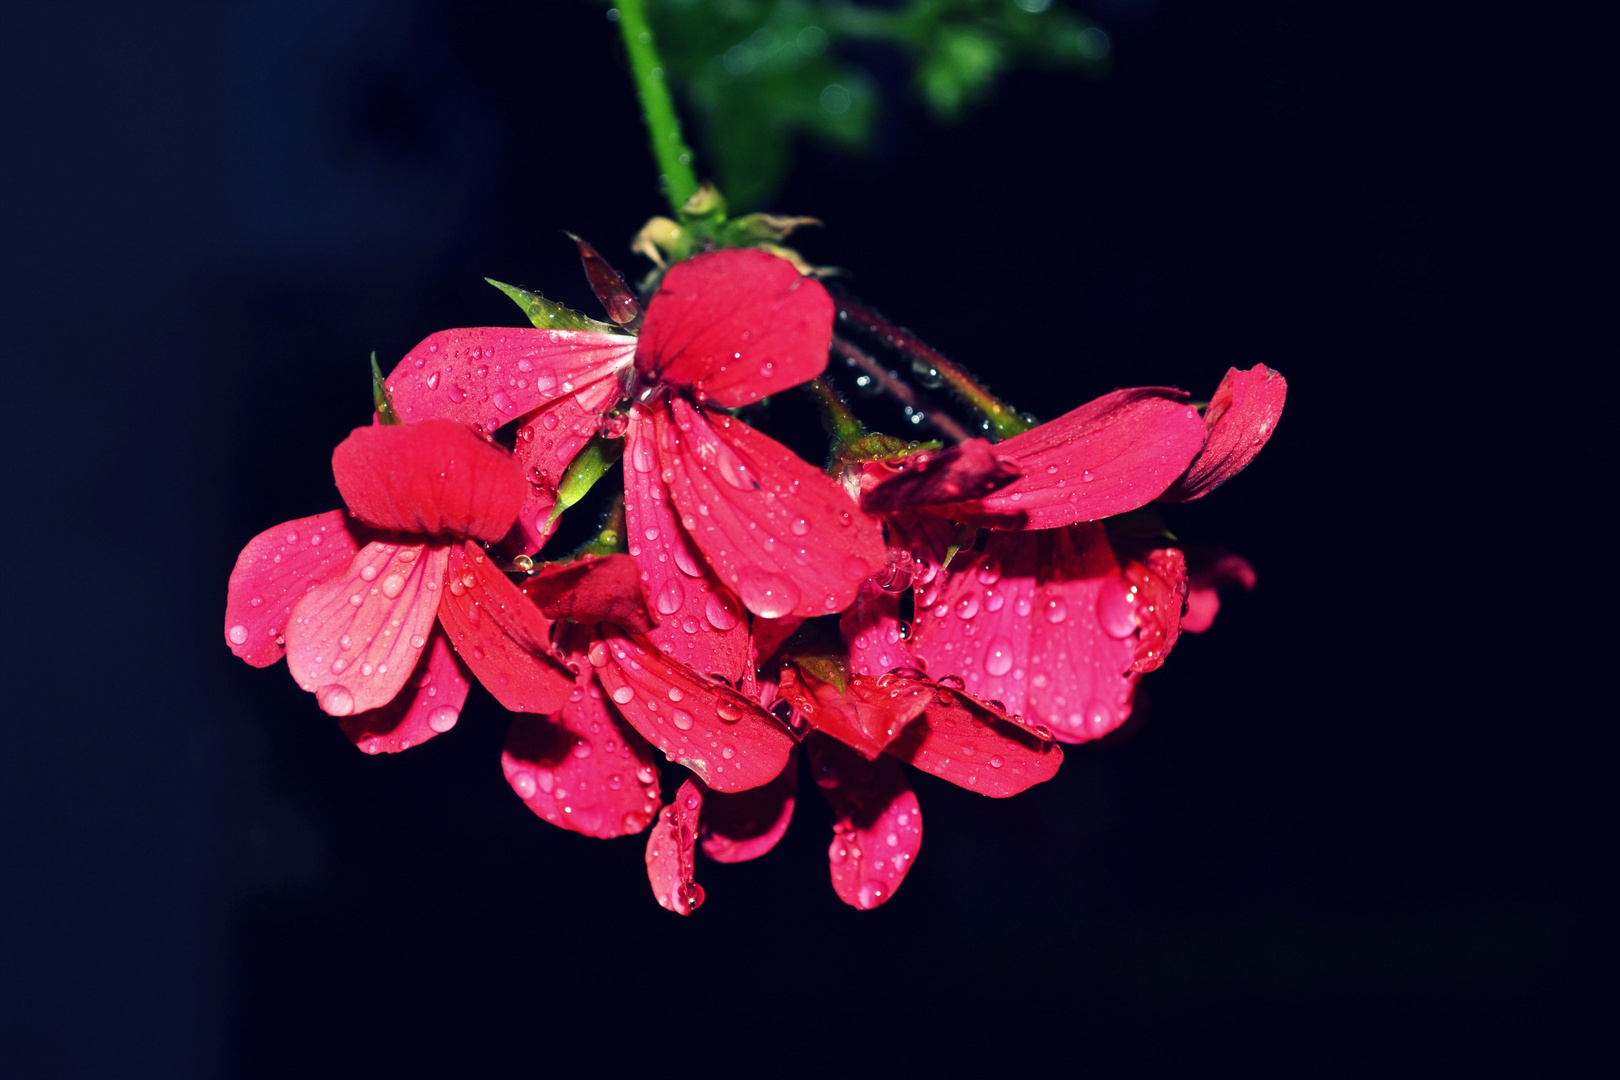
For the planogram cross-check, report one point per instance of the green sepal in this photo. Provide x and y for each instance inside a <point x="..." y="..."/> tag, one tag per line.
<point x="705" y="210"/>
<point x="588" y="466"/>
<point x="818" y="657"/>
<point x="877" y="447"/>
<point x="550" y="315"/>
<point x="609" y="539"/>
<point x="380" y="400"/>
<point x="965" y="536"/>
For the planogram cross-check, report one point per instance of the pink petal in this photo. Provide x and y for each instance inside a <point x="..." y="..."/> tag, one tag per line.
<point x="967" y="470"/>
<point x="701" y="623"/>
<point x="867" y="715"/>
<point x="736" y="325"/>
<point x="744" y="826"/>
<point x="501" y="634"/>
<point x="730" y="742"/>
<point x="593" y="589"/>
<point x="1208" y="570"/>
<point x="671" y="862"/>
<point x="973" y="619"/>
<point x="783" y="536"/>
<point x="354" y="640"/>
<point x="435" y="478"/>
<point x="1240" y="418"/>
<point x="978" y="747"/>
<point x="771" y="634"/>
<point x="1156" y="579"/>
<point x="877" y="824"/>
<point x="1108" y="456"/>
<point x="273" y="573"/>
<point x="872" y="633"/>
<point x="429" y="705"/>
<point x="1084" y="639"/>
<point x="547" y="442"/>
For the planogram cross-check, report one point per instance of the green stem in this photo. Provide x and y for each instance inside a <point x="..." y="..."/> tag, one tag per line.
<point x="840" y="423"/>
<point x="657" y="107"/>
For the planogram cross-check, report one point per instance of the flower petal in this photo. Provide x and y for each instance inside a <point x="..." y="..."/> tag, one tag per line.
<point x="867" y="715"/>
<point x="968" y="470"/>
<point x="736" y="325"/>
<point x="1240" y="418"/>
<point x="1209" y="569"/>
<point x="433" y="478"/>
<point x="1108" y="456"/>
<point x="429" y="705"/>
<point x="744" y="826"/>
<point x="1156" y="580"/>
<point x="354" y="640"/>
<point x="701" y="623"/>
<point x="978" y="747"/>
<point x="671" y="861"/>
<point x="730" y="742"/>
<point x="547" y="442"/>
<point x="877" y="824"/>
<point x="501" y="634"/>
<point x="872" y="633"/>
<point x="274" y="571"/>
<point x="593" y="589"/>
<point x="783" y="536"/>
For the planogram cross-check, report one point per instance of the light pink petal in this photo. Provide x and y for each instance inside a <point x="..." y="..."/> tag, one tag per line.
<point x="671" y="857"/>
<point x="978" y="747"/>
<point x="872" y="632"/>
<point x="782" y="535"/>
<point x="973" y="619"/>
<point x="547" y="442"/>
<point x="429" y="705"/>
<point x="1108" y="456"/>
<point x="867" y="715"/>
<point x="274" y="572"/>
<point x="354" y="640"/>
<point x="593" y="589"/>
<point x="701" y="623"/>
<point x="1084" y="639"/>
<point x="736" y="325"/>
<point x="1208" y="570"/>
<point x="744" y="826"/>
<point x="435" y="478"/>
<point x="1156" y="587"/>
<point x="968" y="470"/>
<point x="501" y="634"/>
<point x="877" y="824"/>
<point x="730" y="742"/>
<point x="1240" y="418"/>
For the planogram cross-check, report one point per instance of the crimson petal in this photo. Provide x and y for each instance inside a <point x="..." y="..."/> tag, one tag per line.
<point x="593" y="589"/>
<point x="500" y="634"/>
<point x="547" y="442"/>
<point x="877" y="824"/>
<point x="273" y="573"/>
<point x="1208" y="570"/>
<point x="736" y="325"/>
<point x="1157" y="580"/>
<point x="977" y="746"/>
<point x="671" y="859"/>
<point x="1240" y="419"/>
<point x="431" y="478"/>
<point x="429" y="705"/>
<point x="968" y="470"/>
<point x="871" y="631"/>
<point x="744" y="826"/>
<point x="866" y="716"/>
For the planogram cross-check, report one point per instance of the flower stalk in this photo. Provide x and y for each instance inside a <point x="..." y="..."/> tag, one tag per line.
<point x="674" y="156"/>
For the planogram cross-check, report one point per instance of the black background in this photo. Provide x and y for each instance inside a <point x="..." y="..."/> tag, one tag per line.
<point x="1356" y="830"/>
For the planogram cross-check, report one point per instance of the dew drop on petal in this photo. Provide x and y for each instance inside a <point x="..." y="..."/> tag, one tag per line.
<point x="682" y="719"/>
<point x="444" y="718"/>
<point x="238" y="634"/>
<point x="800" y="527"/>
<point x="335" y="700"/>
<point x="598" y="654"/>
<point x="719" y="612"/>
<point x="998" y="657"/>
<point x="670" y="597"/>
<point x="624" y="695"/>
<point x="968" y="606"/>
<point x="523" y="784"/>
<point x="393" y="585"/>
<point x="1056" y="609"/>
<point x="368" y="573"/>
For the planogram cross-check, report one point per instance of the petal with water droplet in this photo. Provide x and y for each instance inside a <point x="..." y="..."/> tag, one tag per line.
<point x="671" y="858"/>
<point x="871" y="632"/>
<point x="592" y="589"/>
<point x="1239" y="421"/>
<point x="867" y="715"/>
<point x="990" y="651"/>
<point x="977" y="746"/>
<point x="1158" y="578"/>
<point x="501" y="634"/>
<point x="435" y="478"/>
<point x="273" y="573"/>
<point x="968" y="470"/>
<point x="877" y="823"/>
<point x="747" y="824"/>
<point x="435" y="694"/>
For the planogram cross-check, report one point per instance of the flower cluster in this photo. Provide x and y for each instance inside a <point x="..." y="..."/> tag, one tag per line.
<point x="757" y="604"/>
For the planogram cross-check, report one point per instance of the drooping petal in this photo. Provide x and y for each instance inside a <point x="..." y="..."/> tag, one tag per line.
<point x="867" y="715"/>
<point x="435" y="478"/>
<point x="671" y="859"/>
<point x="968" y="470"/>
<point x="1083" y="641"/>
<point x="1108" y="456"/>
<point x="1240" y="418"/>
<point x="501" y="634"/>
<point x="1156" y="582"/>
<point x="771" y="634"/>
<point x="701" y="623"/>
<point x="354" y="640"/>
<point x="744" y="826"/>
<point x="730" y="742"/>
<point x="1208" y="570"/>
<point x="973" y="619"/>
<point x="977" y="746"/>
<point x="429" y="705"/>
<point x="877" y="824"/>
<point x="736" y="325"/>
<point x="273" y="573"/>
<point x="593" y="589"/>
<point x="872" y="632"/>
<point x="782" y="535"/>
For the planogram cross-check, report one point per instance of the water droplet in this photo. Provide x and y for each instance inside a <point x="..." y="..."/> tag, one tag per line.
<point x="368" y="573"/>
<point x="417" y="641"/>
<point x="457" y="394"/>
<point x="598" y="654"/>
<point x="727" y="712"/>
<point x="647" y="774"/>
<point x="869" y="895"/>
<point x="996" y="762"/>
<point x="582" y="749"/>
<point x="504" y="402"/>
<point x="433" y="381"/>
<point x="768" y="596"/>
<point x="1086" y="477"/>
<point x="968" y="606"/>
<point x="335" y="700"/>
<point x="682" y="719"/>
<point x="523" y="784"/>
<point x="624" y="695"/>
<point x="720" y="611"/>
<point x="989" y="570"/>
<point x="443" y="718"/>
<point x="800" y="527"/>
<point x="1056" y="609"/>
<point x="393" y="585"/>
<point x="998" y="657"/>
<point x="728" y="752"/>
<point x="1114" y="611"/>
<point x="238" y="634"/>
<point x="670" y="597"/>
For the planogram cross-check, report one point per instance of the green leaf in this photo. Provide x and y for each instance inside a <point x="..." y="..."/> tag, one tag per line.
<point x="550" y="315"/>
<point x="588" y="466"/>
<point x="380" y="399"/>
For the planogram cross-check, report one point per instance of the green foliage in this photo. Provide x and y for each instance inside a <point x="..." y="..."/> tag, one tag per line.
<point x="548" y="314"/>
<point x="381" y="400"/>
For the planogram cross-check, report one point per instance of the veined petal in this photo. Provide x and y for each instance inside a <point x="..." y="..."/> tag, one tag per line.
<point x="273" y="573"/>
<point x="730" y="742"/>
<point x="977" y="746"/>
<point x="736" y="325"/>
<point x="429" y="705"/>
<point x="354" y="640"/>
<point x="501" y="634"/>
<point x="1108" y="456"/>
<point x="871" y="632"/>
<point x="547" y="442"/>
<point x="671" y="860"/>
<point x="1156" y="583"/>
<point x="866" y="716"/>
<point x="1240" y="418"/>
<point x="877" y="824"/>
<point x="745" y="825"/>
<point x="701" y="623"/>
<point x="968" y="470"/>
<point x="783" y="536"/>
<point x="593" y="589"/>
<point x="435" y="478"/>
<point x="1208" y="570"/>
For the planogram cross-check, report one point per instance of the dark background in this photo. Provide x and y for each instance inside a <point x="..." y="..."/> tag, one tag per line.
<point x="1356" y="830"/>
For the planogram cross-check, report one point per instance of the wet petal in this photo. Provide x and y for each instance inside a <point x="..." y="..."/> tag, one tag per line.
<point x="354" y="640"/>
<point x="736" y="325"/>
<point x="1240" y="418"/>
<point x="746" y="825"/>
<point x="430" y="704"/>
<point x="872" y="632"/>
<point x="968" y="470"/>
<point x="593" y="589"/>
<point x="501" y="634"/>
<point x="877" y="824"/>
<point x="976" y="746"/>
<point x="771" y="634"/>
<point x="1210" y="569"/>
<point x="273" y="573"/>
<point x="433" y="478"/>
<point x="671" y="861"/>
<point x="1156" y="580"/>
<point x="782" y="535"/>
<point x="1108" y="456"/>
<point x="867" y="715"/>
<point x="701" y="623"/>
<point x="730" y="742"/>
<point x="546" y="442"/>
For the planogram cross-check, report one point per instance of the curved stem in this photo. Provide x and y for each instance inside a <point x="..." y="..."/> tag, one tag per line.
<point x="898" y="390"/>
<point x="679" y="179"/>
